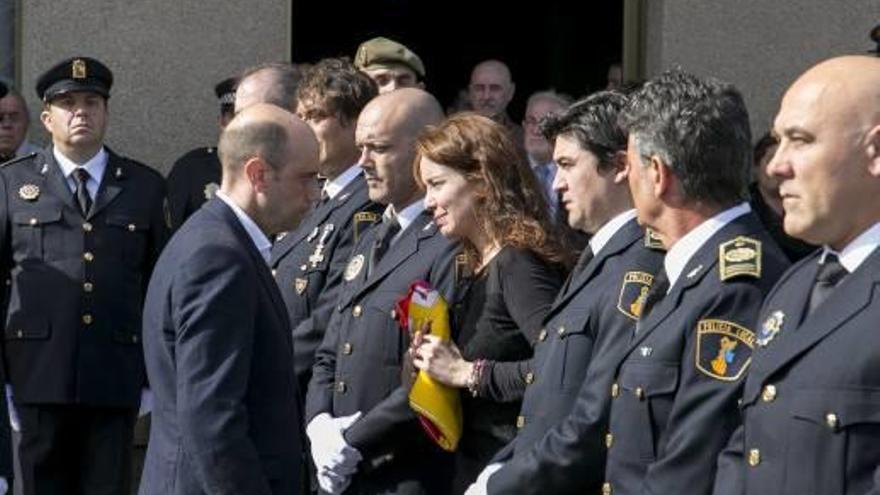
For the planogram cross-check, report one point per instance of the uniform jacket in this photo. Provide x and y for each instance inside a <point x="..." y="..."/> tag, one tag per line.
<point x="811" y="404"/>
<point x="76" y="284"/>
<point x="309" y="262"/>
<point x="588" y="326"/>
<point x="193" y="180"/>
<point x="226" y="418"/>
<point x="675" y="391"/>
<point x="359" y="363"/>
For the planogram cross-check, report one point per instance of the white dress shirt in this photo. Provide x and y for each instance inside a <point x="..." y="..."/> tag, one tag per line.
<point x="858" y="250"/>
<point x="261" y="242"/>
<point x="95" y="166"/>
<point x="607" y="231"/>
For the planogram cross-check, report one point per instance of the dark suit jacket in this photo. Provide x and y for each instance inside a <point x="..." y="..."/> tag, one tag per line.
<point x="309" y="263"/>
<point x="217" y="345"/>
<point x="811" y="404"/>
<point x="676" y="386"/>
<point x="358" y="365"/>
<point x="584" y="334"/>
<point x="77" y="284"/>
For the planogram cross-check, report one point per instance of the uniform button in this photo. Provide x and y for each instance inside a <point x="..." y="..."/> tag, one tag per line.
<point x="88" y="287"/>
<point x="609" y="439"/>
<point x="88" y="319"/>
<point x="356" y="311"/>
<point x="134" y="339"/>
<point x="530" y="377"/>
<point x="88" y="256"/>
<point x="606" y="488"/>
<point x="19" y="334"/>
<point x="274" y="272"/>
<point x="640" y="393"/>
<point x="561" y="330"/>
<point x="754" y="457"/>
<point x="346" y="349"/>
<point x="87" y="227"/>
<point x="769" y="393"/>
<point x="615" y="390"/>
<point x="131" y="227"/>
<point x="32" y="221"/>
<point x="520" y="421"/>
<point x="393" y="314"/>
<point x="542" y="336"/>
<point x="303" y="268"/>
<point x="340" y="387"/>
<point x="832" y="421"/>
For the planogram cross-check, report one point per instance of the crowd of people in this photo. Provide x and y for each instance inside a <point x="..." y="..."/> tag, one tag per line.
<point x="639" y="298"/>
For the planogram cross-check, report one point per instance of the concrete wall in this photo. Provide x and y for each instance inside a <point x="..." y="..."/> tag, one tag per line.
<point x="166" y="56"/>
<point x="759" y="45"/>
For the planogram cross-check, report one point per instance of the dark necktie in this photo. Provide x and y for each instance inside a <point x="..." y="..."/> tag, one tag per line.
<point x="658" y="290"/>
<point x="830" y="273"/>
<point x="384" y="234"/>
<point x="81" y="177"/>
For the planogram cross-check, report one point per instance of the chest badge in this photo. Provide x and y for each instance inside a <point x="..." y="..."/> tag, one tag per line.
<point x="354" y="268"/>
<point x="29" y="192"/>
<point x="724" y="349"/>
<point x="211" y="189"/>
<point x="633" y="292"/>
<point x="770" y="328"/>
<point x="300" y="284"/>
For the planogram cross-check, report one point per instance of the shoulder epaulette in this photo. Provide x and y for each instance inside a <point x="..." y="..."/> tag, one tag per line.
<point x="652" y="240"/>
<point x="363" y="217"/>
<point x="18" y="159"/>
<point x="739" y="257"/>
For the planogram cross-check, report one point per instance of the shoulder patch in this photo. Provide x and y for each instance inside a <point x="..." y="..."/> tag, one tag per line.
<point x="362" y="217"/>
<point x="18" y="159"/>
<point x="739" y="257"/>
<point x="633" y="292"/>
<point x="724" y="349"/>
<point x="653" y="241"/>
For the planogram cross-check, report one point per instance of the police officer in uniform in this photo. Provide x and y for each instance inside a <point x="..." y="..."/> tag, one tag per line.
<point x="675" y="389"/>
<point x="811" y="404"/>
<point x="195" y="177"/>
<point x="592" y="318"/>
<point x="80" y="229"/>
<point x="309" y="261"/>
<point x="363" y="433"/>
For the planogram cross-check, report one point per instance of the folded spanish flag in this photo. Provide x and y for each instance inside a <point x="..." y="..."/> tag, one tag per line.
<point x="437" y="405"/>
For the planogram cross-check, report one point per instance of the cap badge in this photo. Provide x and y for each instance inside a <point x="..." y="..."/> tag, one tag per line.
<point x="29" y="192"/>
<point x="78" y="69"/>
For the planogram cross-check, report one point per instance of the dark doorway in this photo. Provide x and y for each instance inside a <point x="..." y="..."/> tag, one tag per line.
<point x="562" y="44"/>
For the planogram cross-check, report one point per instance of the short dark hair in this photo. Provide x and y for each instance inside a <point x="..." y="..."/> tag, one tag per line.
<point x="338" y="86"/>
<point x="700" y="129"/>
<point x="239" y="143"/>
<point x="593" y="122"/>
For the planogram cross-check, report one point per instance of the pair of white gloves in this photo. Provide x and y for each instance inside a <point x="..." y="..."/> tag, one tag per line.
<point x="336" y="461"/>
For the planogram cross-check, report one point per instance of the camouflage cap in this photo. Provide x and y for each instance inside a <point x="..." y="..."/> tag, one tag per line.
<point x="383" y="52"/>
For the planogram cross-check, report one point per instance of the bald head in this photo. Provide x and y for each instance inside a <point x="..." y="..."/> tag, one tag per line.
<point x="491" y="88"/>
<point x="386" y="133"/>
<point x="274" y="83"/>
<point x="828" y="159"/>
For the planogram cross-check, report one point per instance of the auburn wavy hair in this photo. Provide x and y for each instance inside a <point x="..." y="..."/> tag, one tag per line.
<point x="511" y="206"/>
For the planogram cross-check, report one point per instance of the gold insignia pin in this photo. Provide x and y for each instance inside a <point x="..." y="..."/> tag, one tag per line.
<point x="211" y="189"/>
<point x="353" y="268"/>
<point x="118" y="173"/>
<point x="78" y="69"/>
<point x="363" y="217"/>
<point x="29" y="192"/>
<point x="300" y="285"/>
<point x="739" y="257"/>
<point x="653" y="241"/>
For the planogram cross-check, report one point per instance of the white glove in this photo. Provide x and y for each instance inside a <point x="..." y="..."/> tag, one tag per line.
<point x="331" y="482"/>
<point x="146" y="402"/>
<point x="481" y="486"/>
<point x="14" y="422"/>
<point x="329" y="450"/>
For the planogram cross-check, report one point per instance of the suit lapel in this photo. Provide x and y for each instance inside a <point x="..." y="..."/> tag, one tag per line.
<point x="852" y="295"/>
<point x="111" y="184"/>
<point x="54" y="177"/>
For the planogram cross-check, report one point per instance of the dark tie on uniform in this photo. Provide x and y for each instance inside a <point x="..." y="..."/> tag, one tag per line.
<point x="830" y="273"/>
<point x="658" y="289"/>
<point x="384" y="234"/>
<point x="81" y="177"/>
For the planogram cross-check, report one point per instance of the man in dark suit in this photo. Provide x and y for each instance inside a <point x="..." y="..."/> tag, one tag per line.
<point x="592" y="319"/>
<point x="217" y="343"/>
<point x="811" y="404"/>
<point x="361" y="427"/>
<point x="195" y="177"/>
<point x="308" y="262"/>
<point x="676" y="385"/>
<point x="80" y="230"/>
